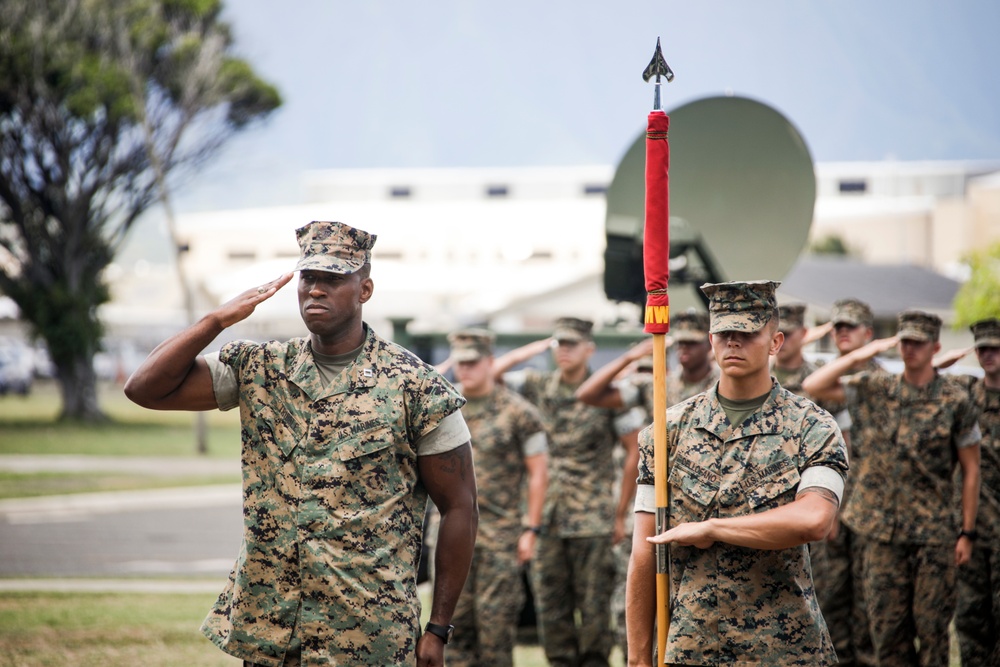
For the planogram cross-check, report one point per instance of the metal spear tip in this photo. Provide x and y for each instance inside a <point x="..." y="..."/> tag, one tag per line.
<point x="657" y="66"/>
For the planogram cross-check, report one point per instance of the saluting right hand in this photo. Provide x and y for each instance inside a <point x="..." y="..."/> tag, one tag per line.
<point x="877" y="347"/>
<point x="242" y="306"/>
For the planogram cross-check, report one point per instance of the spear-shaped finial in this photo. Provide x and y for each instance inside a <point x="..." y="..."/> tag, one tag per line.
<point x="657" y="67"/>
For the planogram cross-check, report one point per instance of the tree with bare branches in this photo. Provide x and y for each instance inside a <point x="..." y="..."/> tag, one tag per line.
<point x="102" y="103"/>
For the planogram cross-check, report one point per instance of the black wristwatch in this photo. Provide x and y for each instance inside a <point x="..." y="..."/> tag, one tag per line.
<point x="537" y="530"/>
<point x="442" y="631"/>
<point x="971" y="534"/>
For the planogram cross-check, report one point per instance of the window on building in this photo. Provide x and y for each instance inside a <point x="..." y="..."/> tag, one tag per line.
<point x="594" y="189"/>
<point x="242" y="255"/>
<point x="399" y="191"/>
<point x="497" y="191"/>
<point x="853" y="186"/>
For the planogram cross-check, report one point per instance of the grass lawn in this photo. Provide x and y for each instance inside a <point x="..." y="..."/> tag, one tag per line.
<point x="106" y="630"/>
<point x="28" y="485"/>
<point x="28" y="426"/>
<point x="123" y="630"/>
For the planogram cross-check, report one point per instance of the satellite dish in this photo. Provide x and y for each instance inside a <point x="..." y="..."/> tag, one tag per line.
<point x="742" y="192"/>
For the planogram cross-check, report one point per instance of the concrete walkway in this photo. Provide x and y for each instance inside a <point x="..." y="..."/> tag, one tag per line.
<point x="142" y="465"/>
<point x="33" y="509"/>
<point x="85" y="585"/>
<point x="25" y="514"/>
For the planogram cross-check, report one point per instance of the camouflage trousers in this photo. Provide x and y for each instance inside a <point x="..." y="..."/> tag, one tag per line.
<point x="910" y="590"/>
<point x="293" y="658"/>
<point x="977" y="614"/>
<point x="622" y="554"/>
<point x="572" y="576"/>
<point x="487" y="611"/>
<point x="839" y="579"/>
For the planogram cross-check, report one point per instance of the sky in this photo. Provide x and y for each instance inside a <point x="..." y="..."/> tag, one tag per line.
<point x="455" y="83"/>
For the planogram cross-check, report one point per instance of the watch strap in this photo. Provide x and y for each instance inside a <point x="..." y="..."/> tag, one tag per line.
<point x="442" y="631"/>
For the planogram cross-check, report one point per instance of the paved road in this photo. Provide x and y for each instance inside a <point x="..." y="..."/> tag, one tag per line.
<point x="162" y="532"/>
<point x="142" y="465"/>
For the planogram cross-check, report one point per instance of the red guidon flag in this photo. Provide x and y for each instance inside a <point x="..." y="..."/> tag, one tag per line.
<point x="656" y="257"/>
<point x="656" y="234"/>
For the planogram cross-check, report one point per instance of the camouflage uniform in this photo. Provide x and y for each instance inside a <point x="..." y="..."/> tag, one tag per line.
<point x="732" y="605"/>
<point x="977" y="616"/>
<point x="678" y="390"/>
<point x="838" y="561"/>
<point x="621" y="553"/>
<point x="487" y="612"/>
<point x="333" y="505"/>
<point x="792" y="317"/>
<point x="792" y="379"/>
<point x="902" y="504"/>
<point x="573" y="569"/>
<point x="838" y="564"/>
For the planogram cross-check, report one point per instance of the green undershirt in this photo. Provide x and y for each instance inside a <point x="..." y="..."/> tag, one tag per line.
<point x="329" y="366"/>
<point x="737" y="412"/>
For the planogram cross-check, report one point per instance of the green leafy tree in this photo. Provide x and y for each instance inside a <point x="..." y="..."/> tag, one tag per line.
<point x="100" y="102"/>
<point x="979" y="297"/>
<point x="831" y="244"/>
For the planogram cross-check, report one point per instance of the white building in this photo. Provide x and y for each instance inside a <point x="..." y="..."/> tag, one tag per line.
<point x="518" y="247"/>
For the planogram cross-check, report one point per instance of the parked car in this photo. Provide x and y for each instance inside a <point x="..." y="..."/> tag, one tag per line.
<point x="17" y="369"/>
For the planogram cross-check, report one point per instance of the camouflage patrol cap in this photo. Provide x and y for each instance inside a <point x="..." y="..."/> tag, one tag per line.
<point x="791" y="316"/>
<point x="333" y="247"/>
<point x="645" y="364"/>
<point x="471" y="344"/>
<point x="918" y="325"/>
<point x="852" y="312"/>
<point x="573" y="328"/>
<point x="986" y="332"/>
<point x="740" y="306"/>
<point x="689" y="326"/>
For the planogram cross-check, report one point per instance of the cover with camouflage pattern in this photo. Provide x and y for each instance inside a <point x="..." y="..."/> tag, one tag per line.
<point x="471" y="344"/>
<point x="986" y="332"/>
<point x="333" y="247"/>
<point x="791" y="316"/>
<point x="689" y="325"/>
<point x="852" y="312"/>
<point x="573" y="329"/>
<point x="918" y="325"/>
<point x="740" y="306"/>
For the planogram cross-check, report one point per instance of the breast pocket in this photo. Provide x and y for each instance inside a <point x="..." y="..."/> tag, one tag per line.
<point x="772" y="486"/>
<point x="277" y="431"/>
<point x="693" y="491"/>
<point x="375" y="468"/>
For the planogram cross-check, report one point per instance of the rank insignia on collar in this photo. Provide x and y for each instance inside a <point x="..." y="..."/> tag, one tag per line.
<point x="367" y="372"/>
